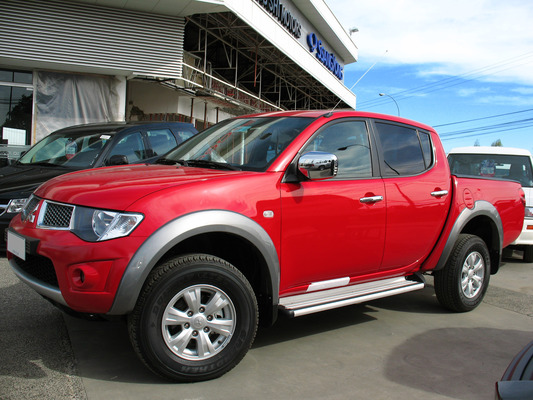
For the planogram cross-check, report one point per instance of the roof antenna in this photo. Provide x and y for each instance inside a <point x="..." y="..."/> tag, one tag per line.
<point x="330" y="113"/>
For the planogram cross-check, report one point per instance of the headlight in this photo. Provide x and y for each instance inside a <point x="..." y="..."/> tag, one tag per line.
<point x="98" y="225"/>
<point x="16" y="205"/>
<point x="529" y="212"/>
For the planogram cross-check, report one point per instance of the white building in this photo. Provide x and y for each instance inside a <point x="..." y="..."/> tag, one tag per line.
<point x="65" y="62"/>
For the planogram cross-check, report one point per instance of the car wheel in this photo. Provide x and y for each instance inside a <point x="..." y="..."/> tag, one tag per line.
<point x="195" y="319"/>
<point x="528" y="254"/>
<point x="461" y="285"/>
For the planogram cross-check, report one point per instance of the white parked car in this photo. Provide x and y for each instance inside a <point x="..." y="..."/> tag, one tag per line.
<point x="501" y="162"/>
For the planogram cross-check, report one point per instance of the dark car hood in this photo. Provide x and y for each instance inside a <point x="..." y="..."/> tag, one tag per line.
<point x="17" y="178"/>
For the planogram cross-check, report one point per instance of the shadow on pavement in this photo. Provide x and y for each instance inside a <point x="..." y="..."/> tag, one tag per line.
<point x="455" y="362"/>
<point x="99" y="342"/>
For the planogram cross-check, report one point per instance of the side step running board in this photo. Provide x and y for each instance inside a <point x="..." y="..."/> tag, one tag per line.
<point x="308" y="303"/>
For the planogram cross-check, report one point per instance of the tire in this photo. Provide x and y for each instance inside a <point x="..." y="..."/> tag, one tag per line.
<point x="528" y="254"/>
<point x="461" y="285"/>
<point x="195" y="318"/>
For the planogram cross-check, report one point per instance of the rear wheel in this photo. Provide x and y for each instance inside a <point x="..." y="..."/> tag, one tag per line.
<point x="461" y="285"/>
<point x="195" y="319"/>
<point x="528" y="254"/>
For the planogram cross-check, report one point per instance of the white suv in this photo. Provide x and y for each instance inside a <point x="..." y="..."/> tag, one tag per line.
<point x="506" y="163"/>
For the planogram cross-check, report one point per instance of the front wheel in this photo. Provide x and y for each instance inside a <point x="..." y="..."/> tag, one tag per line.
<point x="461" y="285"/>
<point x="195" y="319"/>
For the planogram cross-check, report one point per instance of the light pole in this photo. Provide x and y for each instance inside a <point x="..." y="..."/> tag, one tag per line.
<point x="388" y="95"/>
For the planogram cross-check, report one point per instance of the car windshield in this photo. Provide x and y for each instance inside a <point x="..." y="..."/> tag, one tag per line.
<point x="250" y="144"/>
<point x="75" y="151"/>
<point x="517" y="168"/>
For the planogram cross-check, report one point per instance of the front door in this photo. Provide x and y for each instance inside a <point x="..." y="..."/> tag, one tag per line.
<point x="330" y="229"/>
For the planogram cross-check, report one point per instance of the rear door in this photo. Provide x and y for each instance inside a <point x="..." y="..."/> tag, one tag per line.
<point x="417" y="189"/>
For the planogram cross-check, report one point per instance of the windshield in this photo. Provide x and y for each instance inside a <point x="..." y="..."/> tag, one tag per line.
<point x="517" y="168"/>
<point x="76" y="151"/>
<point x="250" y="144"/>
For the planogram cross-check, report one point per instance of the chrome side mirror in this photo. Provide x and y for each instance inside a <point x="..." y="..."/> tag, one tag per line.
<point x="318" y="165"/>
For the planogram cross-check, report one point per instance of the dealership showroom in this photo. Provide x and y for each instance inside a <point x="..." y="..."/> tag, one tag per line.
<point x="67" y="62"/>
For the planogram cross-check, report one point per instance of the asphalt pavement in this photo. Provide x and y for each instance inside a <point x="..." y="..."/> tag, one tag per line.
<point x="402" y="347"/>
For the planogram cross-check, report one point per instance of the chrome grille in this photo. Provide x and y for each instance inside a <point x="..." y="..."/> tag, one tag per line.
<point x="2" y="208"/>
<point x="55" y="215"/>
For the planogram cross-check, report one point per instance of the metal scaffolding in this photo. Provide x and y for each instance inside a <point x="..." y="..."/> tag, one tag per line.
<point x="226" y="61"/>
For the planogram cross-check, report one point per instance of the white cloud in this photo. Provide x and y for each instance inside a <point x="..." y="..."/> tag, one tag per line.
<point x="523" y="90"/>
<point x="473" y="91"/>
<point x="519" y="101"/>
<point x="493" y="39"/>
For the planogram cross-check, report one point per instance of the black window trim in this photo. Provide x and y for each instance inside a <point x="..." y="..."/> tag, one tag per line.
<point x="380" y="151"/>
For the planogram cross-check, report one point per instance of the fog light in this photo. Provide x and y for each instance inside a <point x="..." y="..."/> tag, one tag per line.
<point x="84" y="277"/>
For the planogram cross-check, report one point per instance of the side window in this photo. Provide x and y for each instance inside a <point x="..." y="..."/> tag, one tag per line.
<point x="349" y="141"/>
<point x="131" y="146"/>
<point x="161" y="140"/>
<point x="404" y="152"/>
<point x="426" y="148"/>
<point x="183" y="135"/>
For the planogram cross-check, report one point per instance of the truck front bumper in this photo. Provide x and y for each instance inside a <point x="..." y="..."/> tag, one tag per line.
<point x="83" y="276"/>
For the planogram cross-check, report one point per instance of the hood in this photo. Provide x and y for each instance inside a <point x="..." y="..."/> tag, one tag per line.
<point x="19" y="178"/>
<point x="122" y="186"/>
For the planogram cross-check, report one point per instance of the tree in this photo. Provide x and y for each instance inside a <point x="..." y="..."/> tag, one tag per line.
<point x="497" y="143"/>
<point x="476" y="143"/>
<point x="20" y="116"/>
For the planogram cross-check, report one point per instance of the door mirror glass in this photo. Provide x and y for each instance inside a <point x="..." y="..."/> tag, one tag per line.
<point x="318" y="165"/>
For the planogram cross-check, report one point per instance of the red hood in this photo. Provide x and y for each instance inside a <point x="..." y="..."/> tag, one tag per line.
<point x="121" y="186"/>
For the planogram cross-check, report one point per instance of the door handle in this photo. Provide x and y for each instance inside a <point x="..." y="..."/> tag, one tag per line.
<point x="439" y="193"/>
<point x="371" y="199"/>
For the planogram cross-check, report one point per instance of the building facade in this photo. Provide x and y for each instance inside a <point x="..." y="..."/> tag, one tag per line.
<point x="65" y="62"/>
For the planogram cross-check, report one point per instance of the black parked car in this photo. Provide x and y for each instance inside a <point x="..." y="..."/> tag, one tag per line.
<point x="517" y="381"/>
<point x="82" y="147"/>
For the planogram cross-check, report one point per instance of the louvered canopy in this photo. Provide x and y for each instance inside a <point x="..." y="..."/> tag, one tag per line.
<point x="51" y="33"/>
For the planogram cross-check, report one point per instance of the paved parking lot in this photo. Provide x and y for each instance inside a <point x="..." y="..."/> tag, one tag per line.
<point x="399" y="347"/>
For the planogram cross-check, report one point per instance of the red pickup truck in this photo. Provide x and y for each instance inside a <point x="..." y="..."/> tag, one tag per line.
<point x="293" y="212"/>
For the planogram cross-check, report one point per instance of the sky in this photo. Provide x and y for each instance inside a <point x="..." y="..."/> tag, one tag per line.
<point x="464" y="67"/>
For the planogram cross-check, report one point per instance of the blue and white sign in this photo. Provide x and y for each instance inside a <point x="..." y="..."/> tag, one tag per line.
<point x="324" y="56"/>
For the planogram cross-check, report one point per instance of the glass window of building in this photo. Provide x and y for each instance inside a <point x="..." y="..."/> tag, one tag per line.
<point x="16" y="99"/>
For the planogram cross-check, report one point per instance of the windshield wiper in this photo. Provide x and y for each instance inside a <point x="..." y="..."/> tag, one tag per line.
<point x="43" y="164"/>
<point x="166" y="161"/>
<point x="209" y="164"/>
<point x="198" y="163"/>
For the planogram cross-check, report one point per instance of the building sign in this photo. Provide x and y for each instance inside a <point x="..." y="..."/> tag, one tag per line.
<point x="285" y="18"/>
<point x="324" y="56"/>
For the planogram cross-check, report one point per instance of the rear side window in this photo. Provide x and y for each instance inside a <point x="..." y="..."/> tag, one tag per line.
<point x="161" y="140"/>
<point x="184" y="134"/>
<point x="131" y="146"/>
<point x="406" y="151"/>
